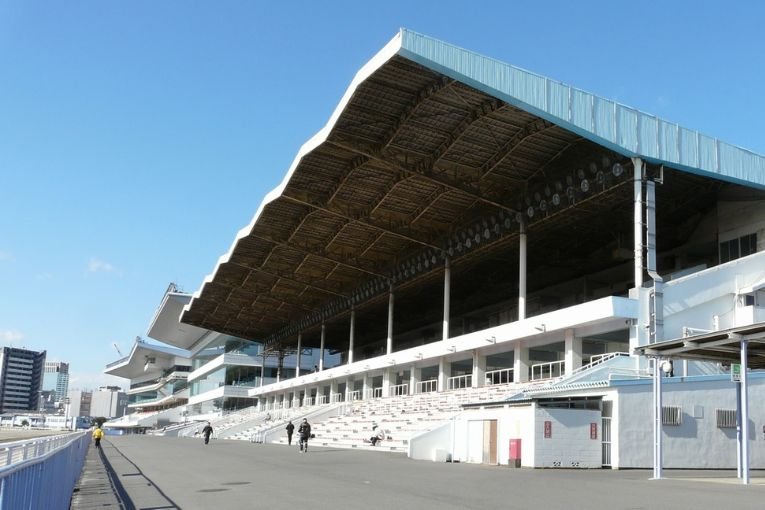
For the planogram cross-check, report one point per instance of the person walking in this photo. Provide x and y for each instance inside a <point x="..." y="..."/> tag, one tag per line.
<point x="305" y="434"/>
<point x="207" y="432"/>
<point x="290" y="430"/>
<point x="97" y="435"/>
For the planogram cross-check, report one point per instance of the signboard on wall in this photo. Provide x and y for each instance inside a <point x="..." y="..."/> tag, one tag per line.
<point x="593" y="430"/>
<point x="735" y="372"/>
<point x="548" y="429"/>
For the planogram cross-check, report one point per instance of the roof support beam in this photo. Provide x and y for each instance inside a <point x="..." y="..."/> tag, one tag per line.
<point x="289" y="279"/>
<point x="316" y="252"/>
<point x="316" y="203"/>
<point x="530" y="129"/>
<point x="377" y="155"/>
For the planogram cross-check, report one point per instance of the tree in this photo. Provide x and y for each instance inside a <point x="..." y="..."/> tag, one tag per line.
<point x="24" y="423"/>
<point x="98" y="422"/>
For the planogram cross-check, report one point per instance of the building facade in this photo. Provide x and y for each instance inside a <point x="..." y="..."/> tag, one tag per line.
<point x="108" y="402"/>
<point x="462" y="223"/>
<point x="55" y="383"/>
<point x="21" y="373"/>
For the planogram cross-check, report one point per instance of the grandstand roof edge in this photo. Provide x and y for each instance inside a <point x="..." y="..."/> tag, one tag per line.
<point x="618" y="127"/>
<point x="382" y="56"/>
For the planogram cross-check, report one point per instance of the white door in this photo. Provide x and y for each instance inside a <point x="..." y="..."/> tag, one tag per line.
<point x="475" y="441"/>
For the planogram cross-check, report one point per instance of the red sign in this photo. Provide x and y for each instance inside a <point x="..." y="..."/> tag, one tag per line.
<point x="548" y="429"/>
<point x="593" y="430"/>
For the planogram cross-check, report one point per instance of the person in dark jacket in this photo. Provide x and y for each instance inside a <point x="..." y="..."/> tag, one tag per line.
<point x="207" y="432"/>
<point x="290" y="429"/>
<point x="305" y="434"/>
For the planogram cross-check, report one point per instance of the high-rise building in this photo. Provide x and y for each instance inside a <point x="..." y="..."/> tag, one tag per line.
<point x="56" y="379"/>
<point x="79" y="402"/>
<point x="21" y="373"/>
<point x="109" y="402"/>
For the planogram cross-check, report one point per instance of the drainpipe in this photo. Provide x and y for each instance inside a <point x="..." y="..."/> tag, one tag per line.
<point x="522" y="272"/>
<point x="447" y="296"/>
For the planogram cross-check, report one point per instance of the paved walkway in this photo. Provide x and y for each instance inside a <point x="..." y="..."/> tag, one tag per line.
<point x="173" y="473"/>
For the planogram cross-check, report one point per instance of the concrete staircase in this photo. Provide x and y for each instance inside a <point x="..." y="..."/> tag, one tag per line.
<point x="400" y="417"/>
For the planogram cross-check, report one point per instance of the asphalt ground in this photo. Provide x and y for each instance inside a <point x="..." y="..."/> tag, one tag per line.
<point x="176" y="473"/>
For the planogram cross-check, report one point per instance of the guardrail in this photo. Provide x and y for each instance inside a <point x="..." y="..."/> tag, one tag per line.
<point x="548" y="370"/>
<point x="428" y="386"/>
<point x="399" y="390"/>
<point x="459" y="382"/>
<point x="41" y="473"/>
<point x="501" y="376"/>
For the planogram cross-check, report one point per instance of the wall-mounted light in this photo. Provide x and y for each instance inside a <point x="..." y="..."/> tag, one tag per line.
<point x="492" y="340"/>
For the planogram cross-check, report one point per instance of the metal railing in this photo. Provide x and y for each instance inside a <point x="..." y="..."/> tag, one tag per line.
<point x="321" y="400"/>
<point x="459" y="381"/>
<point x="354" y="395"/>
<point x="336" y="398"/>
<point x="399" y="390"/>
<point x="501" y="376"/>
<point x="548" y="370"/>
<point x="373" y="393"/>
<point x="42" y="473"/>
<point x="428" y="386"/>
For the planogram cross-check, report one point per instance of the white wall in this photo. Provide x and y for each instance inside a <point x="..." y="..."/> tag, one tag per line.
<point x="432" y="445"/>
<point x="570" y="444"/>
<point x="512" y="423"/>
<point x="698" y="442"/>
<point x="694" y="300"/>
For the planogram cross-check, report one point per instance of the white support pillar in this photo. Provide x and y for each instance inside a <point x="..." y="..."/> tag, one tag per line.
<point x="387" y="373"/>
<point x="444" y="372"/>
<point x="522" y="272"/>
<point x="520" y="363"/>
<point x="447" y="298"/>
<point x="332" y="388"/>
<point x="573" y="352"/>
<point x="637" y="163"/>
<point x="348" y="388"/>
<point x="351" y="335"/>
<point x="321" y="346"/>
<point x="657" y="420"/>
<point x="744" y="412"/>
<point x="299" y="354"/>
<point x="366" y="386"/>
<point x="389" y="345"/>
<point x="415" y="374"/>
<point x="479" y="370"/>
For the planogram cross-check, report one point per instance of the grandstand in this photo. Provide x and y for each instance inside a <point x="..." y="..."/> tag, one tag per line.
<point x="474" y="243"/>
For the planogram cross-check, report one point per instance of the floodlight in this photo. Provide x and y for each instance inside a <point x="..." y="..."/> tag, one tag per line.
<point x="580" y="173"/>
<point x="530" y="212"/>
<point x="543" y="205"/>
<point x="600" y="177"/>
<point x="593" y="167"/>
<point x="556" y="199"/>
<point x="585" y="185"/>
<point x="617" y="169"/>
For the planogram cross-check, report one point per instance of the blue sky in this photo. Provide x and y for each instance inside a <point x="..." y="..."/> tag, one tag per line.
<point x="137" y="137"/>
